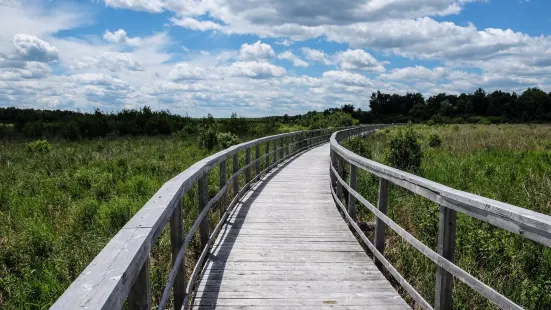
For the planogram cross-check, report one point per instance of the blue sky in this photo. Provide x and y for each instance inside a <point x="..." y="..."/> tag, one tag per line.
<point x="264" y="57"/>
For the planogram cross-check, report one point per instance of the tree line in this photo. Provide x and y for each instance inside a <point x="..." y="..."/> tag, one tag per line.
<point x="533" y="105"/>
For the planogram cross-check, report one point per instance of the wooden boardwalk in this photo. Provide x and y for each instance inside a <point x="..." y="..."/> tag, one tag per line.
<point x="286" y="246"/>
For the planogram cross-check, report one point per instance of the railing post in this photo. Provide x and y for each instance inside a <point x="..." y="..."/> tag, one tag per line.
<point x="351" y="198"/>
<point x="333" y="164"/>
<point x="281" y="148"/>
<point x="288" y="141"/>
<point x="203" y="200"/>
<point x="223" y="166"/>
<point x="247" y="163"/>
<point x="235" y="168"/>
<point x="176" y="240"/>
<point x="382" y="203"/>
<point x="340" y="170"/>
<point x="446" y="248"/>
<point x="140" y="293"/>
<point x="267" y="156"/>
<point x="275" y="151"/>
<point x="257" y="156"/>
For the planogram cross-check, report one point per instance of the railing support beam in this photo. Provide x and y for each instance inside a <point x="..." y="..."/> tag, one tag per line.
<point x="380" y="226"/>
<point x="176" y="240"/>
<point x="351" y="198"/>
<point x="235" y="169"/>
<point x="203" y="200"/>
<point x="223" y="166"/>
<point x="446" y="248"/>
<point x="248" y="162"/>
<point x="140" y="294"/>
<point x="340" y="170"/>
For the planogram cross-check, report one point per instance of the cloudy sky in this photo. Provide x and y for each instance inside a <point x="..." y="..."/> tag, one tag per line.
<point x="264" y="57"/>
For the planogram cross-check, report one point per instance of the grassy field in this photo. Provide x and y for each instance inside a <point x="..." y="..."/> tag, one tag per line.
<point x="510" y="163"/>
<point x="58" y="209"/>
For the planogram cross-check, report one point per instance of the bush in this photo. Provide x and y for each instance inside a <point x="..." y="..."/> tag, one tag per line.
<point x="227" y="139"/>
<point x="208" y="138"/>
<point x="405" y="150"/>
<point x="39" y="146"/>
<point x="435" y="140"/>
<point x="359" y="146"/>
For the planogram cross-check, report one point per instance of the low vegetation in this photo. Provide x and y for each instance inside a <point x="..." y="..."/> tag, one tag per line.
<point x="509" y="163"/>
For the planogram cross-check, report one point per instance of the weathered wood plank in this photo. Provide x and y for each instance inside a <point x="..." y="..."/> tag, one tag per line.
<point x="287" y="245"/>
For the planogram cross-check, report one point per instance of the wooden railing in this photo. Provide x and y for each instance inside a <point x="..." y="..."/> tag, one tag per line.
<point x="120" y="272"/>
<point x="529" y="224"/>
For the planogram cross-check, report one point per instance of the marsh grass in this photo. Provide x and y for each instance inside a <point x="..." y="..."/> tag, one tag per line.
<point x="509" y="163"/>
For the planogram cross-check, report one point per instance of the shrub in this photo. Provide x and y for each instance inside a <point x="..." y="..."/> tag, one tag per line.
<point x="359" y="146"/>
<point x="227" y="139"/>
<point x="208" y="138"/>
<point x="405" y="150"/>
<point x="39" y="146"/>
<point x="435" y="140"/>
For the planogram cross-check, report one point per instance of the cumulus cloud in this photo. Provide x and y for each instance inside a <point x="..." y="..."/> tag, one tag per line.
<point x="316" y="55"/>
<point x="194" y="24"/>
<point x="256" y="51"/>
<point x="120" y="37"/>
<point x="417" y="73"/>
<point x="254" y="70"/>
<point x="297" y="62"/>
<point x="31" y="48"/>
<point x="186" y="72"/>
<point x="358" y="60"/>
<point x="111" y="61"/>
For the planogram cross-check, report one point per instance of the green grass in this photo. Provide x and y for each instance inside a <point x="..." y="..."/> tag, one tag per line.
<point x="60" y="206"/>
<point x="509" y="163"/>
<point x="59" y="209"/>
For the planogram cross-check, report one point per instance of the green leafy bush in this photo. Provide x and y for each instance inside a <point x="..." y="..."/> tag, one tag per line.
<point x="208" y="138"/>
<point x="39" y="147"/>
<point x="359" y="146"/>
<point x="227" y="139"/>
<point x="405" y="150"/>
<point x="435" y="140"/>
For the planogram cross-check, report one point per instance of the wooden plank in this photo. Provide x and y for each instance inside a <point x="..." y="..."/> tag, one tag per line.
<point x="257" y="156"/>
<point x="223" y="176"/>
<point x="203" y="200"/>
<point x="446" y="248"/>
<point x="286" y="245"/>
<point x="235" y="169"/>
<point x="351" y="198"/>
<point x="176" y="241"/>
<point x="247" y="163"/>
<point x="140" y="294"/>
<point x="380" y="226"/>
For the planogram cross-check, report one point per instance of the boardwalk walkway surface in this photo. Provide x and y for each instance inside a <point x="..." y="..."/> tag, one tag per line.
<point x="286" y="246"/>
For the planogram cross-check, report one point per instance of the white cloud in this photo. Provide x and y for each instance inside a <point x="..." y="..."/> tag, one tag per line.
<point x="254" y="70"/>
<point x="358" y="60"/>
<point x="186" y="72"/>
<point x="111" y="61"/>
<point x="417" y="73"/>
<point x="284" y="42"/>
<point x="153" y="6"/>
<point x="256" y="51"/>
<point x="31" y="48"/>
<point x="120" y="37"/>
<point x="346" y="78"/>
<point x="316" y="55"/>
<point x="297" y="62"/>
<point x="194" y="24"/>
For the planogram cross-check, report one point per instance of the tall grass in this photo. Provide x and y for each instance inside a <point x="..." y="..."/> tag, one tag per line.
<point x="510" y="163"/>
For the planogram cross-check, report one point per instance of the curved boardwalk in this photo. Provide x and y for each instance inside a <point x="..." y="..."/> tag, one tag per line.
<point x="286" y="246"/>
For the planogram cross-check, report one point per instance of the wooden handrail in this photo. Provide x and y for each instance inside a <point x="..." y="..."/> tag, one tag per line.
<point x="121" y="270"/>
<point x="529" y="224"/>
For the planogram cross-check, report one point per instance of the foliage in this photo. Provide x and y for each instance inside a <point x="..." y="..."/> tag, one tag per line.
<point x="227" y="139"/>
<point x="39" y="147"/>
<point x="435" y="140"/>
<point x="359" y="146"/>
<point x="405" y="150"/>
<point x="509" y="163"/>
